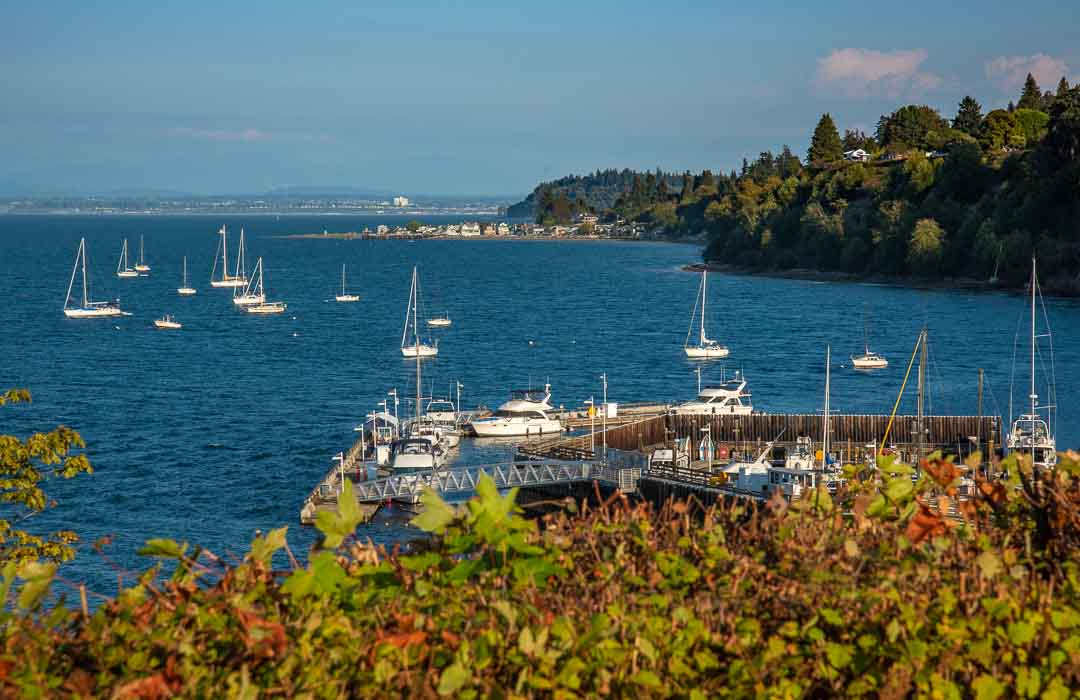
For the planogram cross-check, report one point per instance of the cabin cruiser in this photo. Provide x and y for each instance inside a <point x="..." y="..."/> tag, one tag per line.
<point x="441" y="411"/>
<point x="527" y="413"/>
<point x="438" y="435"/>
<point x="730" y="398"/>
<point x="411" y="457"/>
<point x="869" y="360"/>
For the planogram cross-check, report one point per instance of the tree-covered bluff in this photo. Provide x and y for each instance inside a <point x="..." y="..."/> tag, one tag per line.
<point x="923" y="196"/>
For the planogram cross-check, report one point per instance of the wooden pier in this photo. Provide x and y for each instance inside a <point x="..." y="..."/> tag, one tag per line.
<point x="325" y="494"/>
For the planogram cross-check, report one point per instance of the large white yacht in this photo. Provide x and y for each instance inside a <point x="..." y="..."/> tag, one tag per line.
<point x="527" y="413"/>
<point x="730" y="398"/>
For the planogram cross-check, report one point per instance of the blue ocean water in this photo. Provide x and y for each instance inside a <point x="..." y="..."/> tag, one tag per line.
<point x="212" y="432"/>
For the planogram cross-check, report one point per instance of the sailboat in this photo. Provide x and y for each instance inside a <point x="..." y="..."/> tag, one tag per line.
<point x="706" y="348"/>
<point x="88" y="309"/>
<point x="1030" y="433"/>
<point x="869" y="359"/>
<point x="185" y="290"/>
<point x="122" y="269"/>
<point x="440" y="321"/>
<point x="416" y="349"/>
<point x="239" y="279"/>
<point x="141" y="266"/>
<point x="345" y="296"/>
<point x="263" y="307"/>
<point x="253" y="293"/>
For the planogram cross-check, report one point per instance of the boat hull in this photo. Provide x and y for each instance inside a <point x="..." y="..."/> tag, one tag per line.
<point x="708" y="353"/>
<point x="229" y="283"/>
<point x="109" y="312"/>
<point x="876" y="363"/>
<point x="422" y="351"/>
<point x="186" y="291"/>
<point x="265" y="309"/>
<point x="142" y="268"/>
<point x="127" y="274"/>
<point x="167" y="325"/>
<point x="346" y="297"/>
<point x="249" y="299"/>
<point x="439" y="323"/>
<point x="509" y="427"/>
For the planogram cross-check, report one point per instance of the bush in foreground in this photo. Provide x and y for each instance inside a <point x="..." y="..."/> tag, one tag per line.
<point x="874" y="594"/>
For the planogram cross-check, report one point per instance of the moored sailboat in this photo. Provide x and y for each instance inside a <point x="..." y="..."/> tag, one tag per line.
<point x="345" y="296"/>
<point x="167" y="322"/>
<point x="1030" y="433"/>
<point x="416" y="348"/>
<point x="141" y="266"/>
<point x="253" y="293"/>
<point x="239" y="279"/>
<point x="122" y="269"/>
<point x="706" y="348"/>
<point x="88" y="309"/>
<point x="263" y="307"/>
<point x="184" y="290"/>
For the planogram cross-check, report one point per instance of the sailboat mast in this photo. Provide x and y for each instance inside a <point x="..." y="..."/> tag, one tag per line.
<point x="343" y="279"/>
<point x="185" y="270"/>
<point x="825" y="422"/>
<point x="1032" y="395"/>
<point x="704" y="292"/>
<point x="224" y="254"/>
<point x="416" y="339"/>
<point x="240" y="257"/>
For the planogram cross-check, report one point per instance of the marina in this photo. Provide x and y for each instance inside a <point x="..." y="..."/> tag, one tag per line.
<point x="315" y="370"/>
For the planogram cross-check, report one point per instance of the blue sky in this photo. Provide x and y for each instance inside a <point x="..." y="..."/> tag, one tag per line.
<point x="476" y="97"/>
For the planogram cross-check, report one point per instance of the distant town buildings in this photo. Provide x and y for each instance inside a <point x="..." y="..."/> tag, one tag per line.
<point x="470" y="229"/>
<point x="400" y="201"/>
<point x="496" y="229"/>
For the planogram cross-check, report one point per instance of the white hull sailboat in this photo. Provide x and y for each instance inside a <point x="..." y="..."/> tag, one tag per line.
<point x="239" y="279"/>
<point x="167" y="322"/>
<point x="185" y="290"/>
<point x="122" y="269"/>
<point x="869" y="360"/>
<point x="141" y="266"/>
<point x="263" y="307"/>
<point x="253" y="293"/>
<point x="416" y="348"/>
<point x="345" y="296"/>
<point x="440" y="321"/>
<point x="88" y="309"/>
<point x="1030" y="433"/>
<point x="706" y="348"/>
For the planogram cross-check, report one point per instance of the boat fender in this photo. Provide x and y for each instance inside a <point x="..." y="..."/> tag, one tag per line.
<point x="723" y="453"/>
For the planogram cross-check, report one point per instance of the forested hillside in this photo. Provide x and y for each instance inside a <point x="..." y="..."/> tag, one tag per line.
<point x="971" y="196"/>
<point x="556" y="202"/>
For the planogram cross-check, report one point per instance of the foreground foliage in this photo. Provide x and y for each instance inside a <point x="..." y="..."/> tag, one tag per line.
<point x="873" y="595"/>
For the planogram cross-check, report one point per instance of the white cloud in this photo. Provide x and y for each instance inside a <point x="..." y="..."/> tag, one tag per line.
<point x="865" y="72"/>
<point x="1009" y="72"/>
<point x="250" y="135"/>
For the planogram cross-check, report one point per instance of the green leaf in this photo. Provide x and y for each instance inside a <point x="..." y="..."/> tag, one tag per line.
<point x="989" y="564"/>
<point x="169" y="549"/>
<point x="987" y="688"/>
<point x="646" y="678"/>
<point x="37" y="576"/>
<point x="263" y="548"/>
<point x="337" y="526"/>
<point x="839" y="655"/>
<point x="453" y="679"/>
<point x="1021" y="633"/>
<point x="899" y="489"/>
<point x="437" y="514"/>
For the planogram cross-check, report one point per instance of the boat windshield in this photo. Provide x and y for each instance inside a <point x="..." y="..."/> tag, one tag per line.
<point x="503" y="413"/>
<point x="527" y="395"/>
<point x="412" y="447"/>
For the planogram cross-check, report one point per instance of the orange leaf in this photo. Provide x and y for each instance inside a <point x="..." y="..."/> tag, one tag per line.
<point x="150" y="688"/>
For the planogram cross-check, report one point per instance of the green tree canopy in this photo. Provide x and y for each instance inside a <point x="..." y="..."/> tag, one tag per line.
<point x="1031" y="97"/>
<point x="968" y="116"/>
<point x="413" y="225"/>
<point x="908" y="126"/>
<point x="1032" y="123"/>
<point x="24" y="464"/>
<point x="854" y="139"/>
<point x="1062" y="88"/>
<point x="925" y="247"/>
<point x="825" y="144"/>
<point x="1063" y="132"/>
<point x="1000" y="130"/>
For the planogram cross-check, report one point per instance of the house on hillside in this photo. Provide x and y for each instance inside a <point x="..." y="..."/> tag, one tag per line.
<point x="858" y="155"/>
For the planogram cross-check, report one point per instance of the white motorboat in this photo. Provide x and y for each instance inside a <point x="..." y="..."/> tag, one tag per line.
<point x="88" y="309"/>
<point x="344" y="296"/>
<point x="184" y="290"/>
<point x="253" y="293"/>
<point x="141" y="266"/>
<point x="869" y="360"/>
<point x="441" y="411"/>
<point x="270" y="307"/>
<point x="1030" y="433"/>
<point x="415" y="348"/>
<point x="729" y="398"/>
<point x="440" y="321"/>
<point x="412" y="457"/>
<point x="526" y="414"/>
<point x="706" y="348"/>
<point x="239" y="278"/>
<point x="438" y="435"/>
<point x="167" y="322"/>
<point x="122" y="269"/>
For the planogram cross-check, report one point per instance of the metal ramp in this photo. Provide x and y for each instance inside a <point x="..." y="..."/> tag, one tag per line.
<point x="505" y="476"/>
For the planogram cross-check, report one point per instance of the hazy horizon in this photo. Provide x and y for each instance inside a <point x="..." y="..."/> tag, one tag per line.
<point x="476" y="100"/>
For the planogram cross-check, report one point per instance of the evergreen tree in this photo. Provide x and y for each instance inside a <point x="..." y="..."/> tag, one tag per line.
<point x="1063" y="87"/>
<point x="825" y="144"/>
<point x="687" y="187"/>
<point x="1011" y="107"/>
<point x="968" y="116"/>
<point x="1031" y="97"/>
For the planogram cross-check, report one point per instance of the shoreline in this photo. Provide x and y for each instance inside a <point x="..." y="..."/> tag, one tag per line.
<point x="958" y="284"/>
<point x="559" y="239"/>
